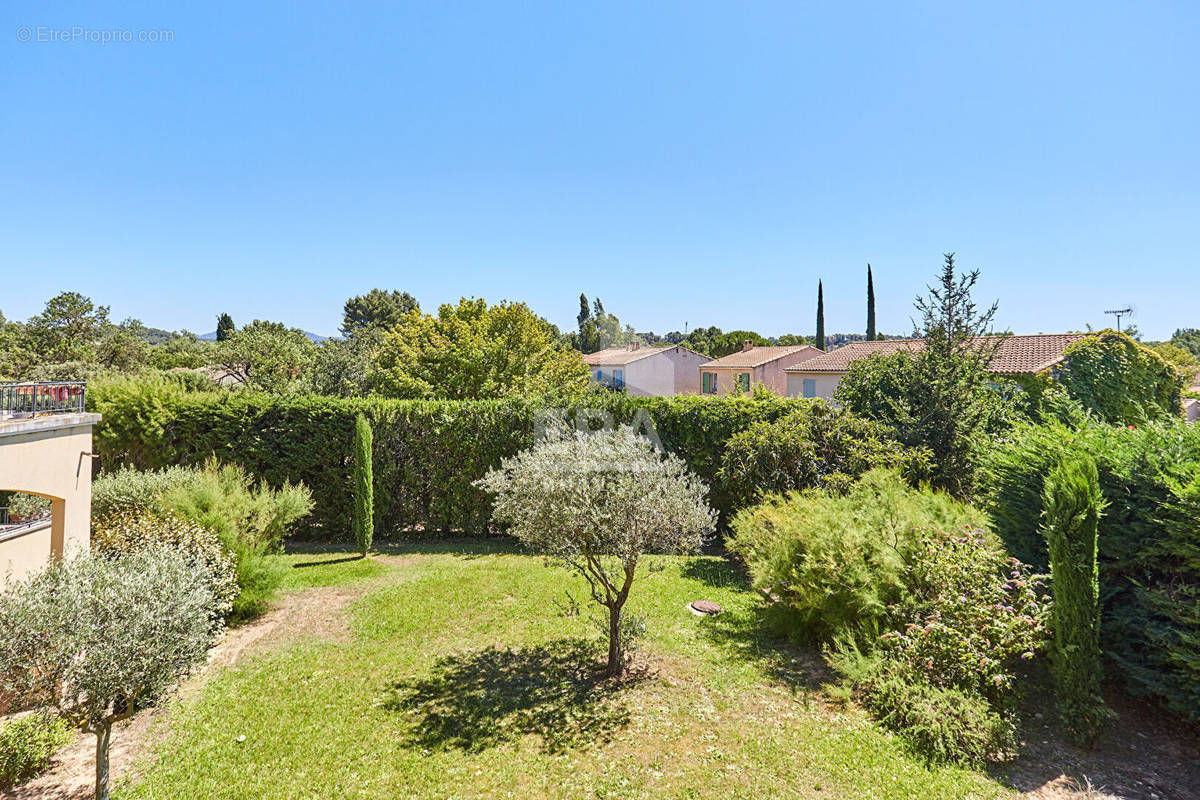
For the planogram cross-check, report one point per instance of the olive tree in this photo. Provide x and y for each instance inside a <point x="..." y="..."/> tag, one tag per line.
<point x="98" y="638"/>
<point x="596" y="502"/>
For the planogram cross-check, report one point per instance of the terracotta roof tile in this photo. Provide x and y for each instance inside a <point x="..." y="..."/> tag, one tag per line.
<point x="1018" y="355"/>
<point x="757" y="356"/>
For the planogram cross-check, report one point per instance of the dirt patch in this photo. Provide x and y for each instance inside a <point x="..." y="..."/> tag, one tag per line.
<point x="319" y="613"/>
<point x="1147" y="754"/>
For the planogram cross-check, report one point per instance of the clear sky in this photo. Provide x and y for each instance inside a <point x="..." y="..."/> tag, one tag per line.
<point x="685" y="161"/>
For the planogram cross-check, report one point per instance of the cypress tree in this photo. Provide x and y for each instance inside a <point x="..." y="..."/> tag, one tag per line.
<point x="870" y="306"/>
<point x="585" y="313"/>
<point x="225" y="327"/>
<point x="819" y="339"/>
<point x="364" y="492"/>
<point x="1072" y="506"/>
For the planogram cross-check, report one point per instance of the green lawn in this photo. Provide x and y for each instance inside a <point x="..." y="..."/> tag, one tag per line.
<point x="460" y="678"/>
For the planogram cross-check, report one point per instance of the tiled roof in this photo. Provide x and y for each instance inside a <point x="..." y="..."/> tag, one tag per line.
<point x="757" y="356"/>
<point x="616" y="356"/>
<point x="1018" y="355"/>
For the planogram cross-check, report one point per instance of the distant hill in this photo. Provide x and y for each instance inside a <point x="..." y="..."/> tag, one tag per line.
<point x="212" y="337"/>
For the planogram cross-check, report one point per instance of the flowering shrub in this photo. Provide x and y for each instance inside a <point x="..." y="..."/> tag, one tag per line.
<point x="131" y="532"/>
<point x="975" y="612"/>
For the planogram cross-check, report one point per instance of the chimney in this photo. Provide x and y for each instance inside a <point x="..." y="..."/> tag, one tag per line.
<point x="747" y="345"/>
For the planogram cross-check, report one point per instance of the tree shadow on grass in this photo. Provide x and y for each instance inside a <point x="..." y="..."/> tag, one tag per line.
<point x="474" y="701"/>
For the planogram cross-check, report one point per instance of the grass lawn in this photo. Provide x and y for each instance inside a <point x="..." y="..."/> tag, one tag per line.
<point x="457" y="676"/>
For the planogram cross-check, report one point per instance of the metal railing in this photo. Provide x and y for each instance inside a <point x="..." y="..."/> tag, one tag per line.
<point x="29" y="399"/>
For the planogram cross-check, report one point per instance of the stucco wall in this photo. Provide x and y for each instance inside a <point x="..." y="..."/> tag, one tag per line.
<point x="827" y="383"/>
<point x="48" y="456"/>
<point x="771" y="374"/>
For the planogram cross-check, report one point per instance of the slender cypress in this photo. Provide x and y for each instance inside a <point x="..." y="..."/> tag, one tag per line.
<point x="364" y="492"/>
<point x="819" y="339"/>
<point x="870" y="306"/>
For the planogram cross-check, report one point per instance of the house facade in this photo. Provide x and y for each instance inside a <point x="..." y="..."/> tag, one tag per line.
<point x="647" y="371"/>
<point x="753" y="366"/>
<point x="46" y="450"/>
<point x="1018" y="355"/>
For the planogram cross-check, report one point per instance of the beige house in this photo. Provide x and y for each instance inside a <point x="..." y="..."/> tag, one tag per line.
<point x="753" y="366"/>
<point x="1018" y="355"/>
<point x="645" y="371"/>
<point x="46" y="450"/>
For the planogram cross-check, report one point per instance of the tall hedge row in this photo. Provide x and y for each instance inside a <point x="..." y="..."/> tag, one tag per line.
<point x="426" y="454"/>
<point x="1149" y="540"/>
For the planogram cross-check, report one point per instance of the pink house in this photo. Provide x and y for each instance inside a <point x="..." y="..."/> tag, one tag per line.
<point x="647" y="371"/>
<point x="753" y="366"/>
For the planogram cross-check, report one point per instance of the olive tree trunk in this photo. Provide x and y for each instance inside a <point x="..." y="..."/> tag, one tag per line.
<point x="103" y="735"/>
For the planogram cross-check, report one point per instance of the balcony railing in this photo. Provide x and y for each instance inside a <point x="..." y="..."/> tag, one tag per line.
<point x="30" y="399"/>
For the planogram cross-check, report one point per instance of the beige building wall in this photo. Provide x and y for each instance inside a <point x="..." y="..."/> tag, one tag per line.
<point x="48" y="456"/>
<point x="826" y="383"/>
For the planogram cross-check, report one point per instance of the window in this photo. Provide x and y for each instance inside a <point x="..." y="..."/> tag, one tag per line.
<point x="708" y="382"/>
<point x="810" y="387"/>
<point x="618" y="378"/>
<point x="744" y="381"/>
<point x="599" y="376"/>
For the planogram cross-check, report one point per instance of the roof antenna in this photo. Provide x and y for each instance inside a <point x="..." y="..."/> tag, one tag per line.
<point x="1120" y="312"/>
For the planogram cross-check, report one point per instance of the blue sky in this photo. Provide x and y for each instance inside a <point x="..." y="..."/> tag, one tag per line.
<point x="685" y="161"/>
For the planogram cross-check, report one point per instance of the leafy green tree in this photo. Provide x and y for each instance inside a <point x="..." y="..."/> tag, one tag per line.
<point x="225" y="327"/>
<point x="585" y="313"/>
<point x="1176" y="355"/>
<point x="67" y="329"/>
<point x="343" y="367"/>
<point x="123" y="347"/>
<point x="472" y="350"/>
<point x="597" y="502"/>
<point x="1073" y="505"/>
<point x="819" y="339"/>
<point x="1188" y="339"/>
<point x="184" y="349"/>
<point x="733" y="342"/>
<point x="870" y="306"/>
<point x="376" y="309"/>
<point x="364" y="492"/>
<point x="267" y="356"/>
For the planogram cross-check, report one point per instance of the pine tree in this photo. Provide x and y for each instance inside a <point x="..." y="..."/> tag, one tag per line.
<point x="819" y="339"/>
<point x="364" y="492"/>
<point x="225" y="327"/>
<point x="870" y="306"/>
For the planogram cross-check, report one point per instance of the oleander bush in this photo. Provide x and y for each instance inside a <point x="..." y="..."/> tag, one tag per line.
<point x="129" y="490"/>
<point x="1149" y="541"/>
<point x="27" y="744"/>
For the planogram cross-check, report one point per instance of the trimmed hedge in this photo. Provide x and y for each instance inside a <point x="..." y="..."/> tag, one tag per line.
<point x="1149" y="540"/>
<point x="426" y="453"/>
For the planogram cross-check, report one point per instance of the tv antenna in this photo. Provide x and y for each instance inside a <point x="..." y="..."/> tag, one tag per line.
<point x="1121" y="312"/>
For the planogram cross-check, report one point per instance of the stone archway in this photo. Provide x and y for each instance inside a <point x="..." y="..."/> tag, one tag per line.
<point x="50" y="456"/>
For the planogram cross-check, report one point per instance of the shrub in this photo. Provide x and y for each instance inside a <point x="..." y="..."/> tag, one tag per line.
<point x="1073" y="505"/>
<point x="250" y="522"/>
<point x="364" y="499"/>
<point x="839" y="561"/>
<point x="130" y="490"/>
<point x="27" y="744"/>
<point x="429" y="453"/>
<point x="944" y="724"/>
<point x="972" y="613"/>
<point x="596" y="501"/>
<point x="814" y="446"/>
<point x="97" y="638"/>
<point x="126" y="532"/>
<point x="1120" y="380"/>
<point x="1149" y="539"/>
